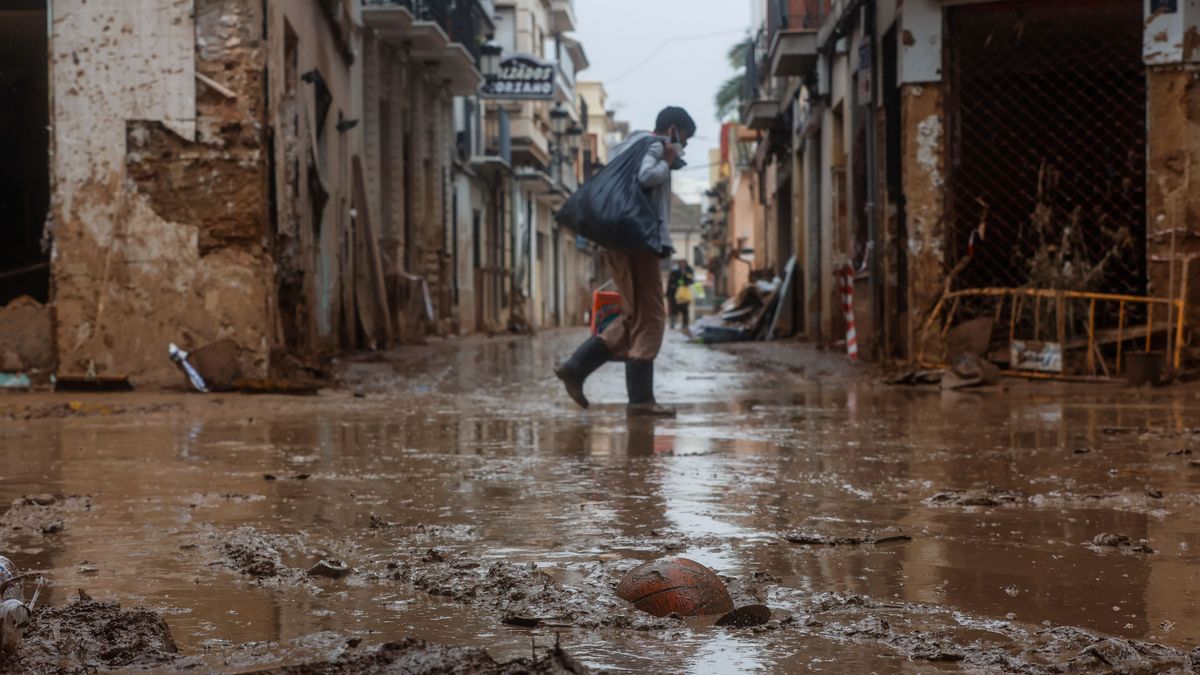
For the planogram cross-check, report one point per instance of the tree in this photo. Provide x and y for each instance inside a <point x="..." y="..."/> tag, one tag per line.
<point x="729" y="96"/>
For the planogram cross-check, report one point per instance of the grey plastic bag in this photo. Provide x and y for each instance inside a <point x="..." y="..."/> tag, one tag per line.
<point x="612" y="209"/>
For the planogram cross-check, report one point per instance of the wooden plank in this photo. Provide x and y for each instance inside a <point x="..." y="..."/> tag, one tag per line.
<point x="372" y="269"/>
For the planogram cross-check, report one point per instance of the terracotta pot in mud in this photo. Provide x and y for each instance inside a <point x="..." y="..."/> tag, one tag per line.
<point x="675" y="585"/>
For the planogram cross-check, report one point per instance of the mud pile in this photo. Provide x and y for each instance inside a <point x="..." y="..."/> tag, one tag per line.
<point x="86" y="636"/>
<point x="417" y="656"/>
<point x="581" y="595"/>
<point x="41" y="514"/>
<point x="258" y="555"/>
<point x="925" y="633"/>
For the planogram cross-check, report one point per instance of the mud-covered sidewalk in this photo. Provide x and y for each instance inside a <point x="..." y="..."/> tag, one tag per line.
<point x="451" y="494"/>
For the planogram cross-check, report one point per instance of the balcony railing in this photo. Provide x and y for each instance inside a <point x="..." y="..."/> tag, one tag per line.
<point x="753" y="59"/>
<point x="465" y="21"/>
<point x="796" y="14"/>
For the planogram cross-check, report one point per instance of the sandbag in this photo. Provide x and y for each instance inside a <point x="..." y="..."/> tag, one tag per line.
<point x="612" y="209"/>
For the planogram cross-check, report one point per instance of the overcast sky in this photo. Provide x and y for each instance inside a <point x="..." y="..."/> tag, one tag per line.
<point x="654" y="53"/>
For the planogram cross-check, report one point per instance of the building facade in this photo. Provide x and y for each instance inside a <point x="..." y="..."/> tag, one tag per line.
<point x="298" y="177"/>
<point x="951" y="157"/>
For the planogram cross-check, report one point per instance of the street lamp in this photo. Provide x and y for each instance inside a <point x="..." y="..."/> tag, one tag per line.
<point x="558" y="119"/>
<point x="574" y="136"/>
<point x="489" y="59"/>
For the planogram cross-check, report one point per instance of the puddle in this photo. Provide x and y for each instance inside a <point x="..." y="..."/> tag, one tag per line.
<point x="464" y="471"/>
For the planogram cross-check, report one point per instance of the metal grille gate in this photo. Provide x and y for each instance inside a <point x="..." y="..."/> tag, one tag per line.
<point x="1046" y="110"/>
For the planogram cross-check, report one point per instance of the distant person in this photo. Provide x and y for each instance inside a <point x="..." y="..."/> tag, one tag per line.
<point x="679" y="293"/>
<point x="637" y="334"/>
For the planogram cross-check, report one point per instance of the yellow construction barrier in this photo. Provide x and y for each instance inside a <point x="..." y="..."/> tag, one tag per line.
<point x="1023" y="299"/>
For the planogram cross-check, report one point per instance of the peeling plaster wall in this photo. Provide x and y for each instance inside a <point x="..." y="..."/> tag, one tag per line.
<point x="1173" y="172"/>
<point x="134" y="266"/>
<point x="313" y="158"/>
<point x="923" y="126"/>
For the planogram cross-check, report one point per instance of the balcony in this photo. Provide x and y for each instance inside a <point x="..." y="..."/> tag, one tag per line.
<point x="562" y="16"/>
<point x="793" y="53"/>
<point x="495" y="162"/>
<point x="529" y="145"/>
<point x="792" y="27"/>
<point x="759" y="109"/>
<point x="444" y="38"/>
<point x="760" y="114"/>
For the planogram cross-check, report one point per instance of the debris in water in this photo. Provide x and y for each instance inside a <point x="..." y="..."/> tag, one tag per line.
<point x="746" y="617"/>
<point x="15" y="614"/>
<point x="334" y="569"/>
<point x="970" y="370"/>
<point x="15" y="381"/>
<point x="976" y="497"/>
<point x="378" y="523"/>
<point x="216" y="364"/>
<point x="821" y="539"/>
<point x="258" y="554"/>
<point x="535" y="621"/>
<point x="417" y="656"/>
<point x="1121" y="542"/>
<point x="42" y="514"/>
<point x="180" y="357"/>
<point x="675" y="586"/>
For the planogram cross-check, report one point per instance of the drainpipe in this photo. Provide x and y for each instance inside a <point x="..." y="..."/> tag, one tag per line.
<point x="872" y="154"/>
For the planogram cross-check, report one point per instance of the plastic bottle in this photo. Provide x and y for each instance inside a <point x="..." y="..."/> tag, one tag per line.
<point x="179" y="356"/>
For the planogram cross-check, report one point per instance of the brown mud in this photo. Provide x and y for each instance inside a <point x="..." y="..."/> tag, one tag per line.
<point x="87" y="636"/>
<point x="451" y="494"/>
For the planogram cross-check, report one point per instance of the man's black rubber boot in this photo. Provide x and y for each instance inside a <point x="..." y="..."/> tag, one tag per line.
<point x="639" y="381"/>
<point x="591" y="355"/>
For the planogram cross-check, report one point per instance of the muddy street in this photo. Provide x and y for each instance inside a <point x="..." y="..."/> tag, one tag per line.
<point x="455" y="495"/>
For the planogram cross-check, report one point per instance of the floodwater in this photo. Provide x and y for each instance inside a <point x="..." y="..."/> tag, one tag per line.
<point x="438" y="474"/>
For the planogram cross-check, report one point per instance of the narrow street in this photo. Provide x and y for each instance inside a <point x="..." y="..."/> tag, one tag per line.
<point x="465" y="493"/>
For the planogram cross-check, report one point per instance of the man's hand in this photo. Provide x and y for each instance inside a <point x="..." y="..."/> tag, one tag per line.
<point x="669" y="155"/>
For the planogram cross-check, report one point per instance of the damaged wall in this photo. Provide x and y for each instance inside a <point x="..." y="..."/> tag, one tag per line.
<point x="153" y="243"/>
<point x="409" y="144"/>
<point x="924" y="160"/>
<point x="314" y="105"/>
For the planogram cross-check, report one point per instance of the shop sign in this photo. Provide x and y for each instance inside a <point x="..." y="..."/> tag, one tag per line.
<point x="522" y="77"/>
<point x="1032" y="355"/>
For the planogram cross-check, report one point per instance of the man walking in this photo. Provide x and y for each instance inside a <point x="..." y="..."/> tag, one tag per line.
<point x="637" y="334"/>
<point x="679" y="292"/>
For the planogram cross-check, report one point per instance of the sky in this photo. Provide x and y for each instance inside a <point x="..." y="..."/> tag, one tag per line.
<point x="654" y="53"/>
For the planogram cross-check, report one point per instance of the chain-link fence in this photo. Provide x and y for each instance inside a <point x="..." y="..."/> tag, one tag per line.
<point x="1046" y="110"/>
<point x="1046" y="173"/>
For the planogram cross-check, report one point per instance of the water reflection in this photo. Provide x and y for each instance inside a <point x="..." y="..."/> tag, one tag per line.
<point x="534" y="481"/>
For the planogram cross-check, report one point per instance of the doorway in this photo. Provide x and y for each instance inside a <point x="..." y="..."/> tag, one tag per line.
<point x="1047" y="145"/>
<point x="24" y="150"/>
<point x="897" y="227"/>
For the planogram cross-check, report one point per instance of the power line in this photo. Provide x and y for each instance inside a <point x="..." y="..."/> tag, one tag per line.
<point x="663" y="45"/>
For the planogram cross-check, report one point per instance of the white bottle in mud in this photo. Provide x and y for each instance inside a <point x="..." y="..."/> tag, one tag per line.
<point x="180" y="357"/>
